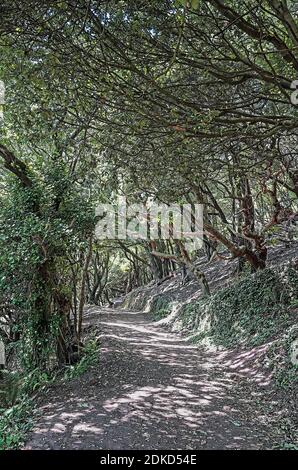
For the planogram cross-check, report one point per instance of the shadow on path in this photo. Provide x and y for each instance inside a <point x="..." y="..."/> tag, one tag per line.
<point x="153" y="390"/>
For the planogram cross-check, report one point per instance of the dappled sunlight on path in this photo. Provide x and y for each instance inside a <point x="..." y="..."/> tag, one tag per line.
<point x="152" y="390"/>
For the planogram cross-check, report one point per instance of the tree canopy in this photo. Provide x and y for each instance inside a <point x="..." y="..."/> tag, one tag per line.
<point x="175" y="101"/>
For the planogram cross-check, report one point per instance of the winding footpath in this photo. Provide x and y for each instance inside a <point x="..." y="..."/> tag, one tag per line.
<point x="155" y="390"/>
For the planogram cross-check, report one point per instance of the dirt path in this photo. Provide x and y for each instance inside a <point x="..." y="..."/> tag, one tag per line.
<point x="154" y="390"/>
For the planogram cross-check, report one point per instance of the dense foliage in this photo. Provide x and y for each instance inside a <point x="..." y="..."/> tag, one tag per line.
<point x="174" y="101"/>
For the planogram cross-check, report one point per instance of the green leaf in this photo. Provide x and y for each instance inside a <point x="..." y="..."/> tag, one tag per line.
<point x="195" y="4"/>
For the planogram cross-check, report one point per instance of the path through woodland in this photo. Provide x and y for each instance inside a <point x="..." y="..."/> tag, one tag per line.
<point x="155" y="390"/>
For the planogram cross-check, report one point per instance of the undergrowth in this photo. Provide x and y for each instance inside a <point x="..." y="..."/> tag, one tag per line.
<point x="16" y="405"/>
<point x="89" y="359"/>
<point x="17" y="391"/>
<point x="256" y="309"/>
<point x="160" y="307"/>
<point x="252" y="311"/>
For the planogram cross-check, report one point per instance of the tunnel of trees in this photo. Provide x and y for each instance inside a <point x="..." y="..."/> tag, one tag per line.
<point x="177" y="101"/>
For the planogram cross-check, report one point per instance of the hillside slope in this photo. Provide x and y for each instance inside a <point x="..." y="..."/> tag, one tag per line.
<point x="255" y="316"/>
